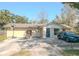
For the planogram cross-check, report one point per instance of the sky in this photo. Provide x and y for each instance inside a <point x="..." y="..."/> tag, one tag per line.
<point x="31" y="9"/>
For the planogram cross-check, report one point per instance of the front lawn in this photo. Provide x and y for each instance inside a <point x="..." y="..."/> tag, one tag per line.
<point x="71" y="52"/>
<point x="3" y="37"/>
<point x="23" y="52"/>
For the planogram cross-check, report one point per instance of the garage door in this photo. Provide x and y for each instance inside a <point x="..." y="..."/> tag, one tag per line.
<point x="16" y="33"/>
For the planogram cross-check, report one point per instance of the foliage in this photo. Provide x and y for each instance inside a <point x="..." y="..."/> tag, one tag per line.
<point x="33" y="21"/>
<point x="42" y="16"/>
<point x="68" y="16"/>
<point x="4" y="17"/>
<point x="73" y="4"/>
<point x="43" y="21"/>
<point x="7" y="17"/>
<point x="21" y="19"/>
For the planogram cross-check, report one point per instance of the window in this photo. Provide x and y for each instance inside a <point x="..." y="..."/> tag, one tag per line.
<point x="56" y="31"/>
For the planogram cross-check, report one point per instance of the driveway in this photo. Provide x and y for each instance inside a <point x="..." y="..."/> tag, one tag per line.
<point x="46" y="46"/>
<point x="40" y="47"/>
<point x="37" y="46"/>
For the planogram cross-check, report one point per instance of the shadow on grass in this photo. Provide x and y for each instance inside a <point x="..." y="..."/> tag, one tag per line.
<point x="71" y="52"/>
<point x="23" y="52"/>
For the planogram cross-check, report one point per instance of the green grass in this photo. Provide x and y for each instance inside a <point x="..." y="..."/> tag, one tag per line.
<point x="23" y="53"/>
<point x="3" y="37"/>
<point x="71" y="52"/>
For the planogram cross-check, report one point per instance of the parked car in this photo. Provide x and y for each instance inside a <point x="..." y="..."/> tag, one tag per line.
<point x="68" y="36"/>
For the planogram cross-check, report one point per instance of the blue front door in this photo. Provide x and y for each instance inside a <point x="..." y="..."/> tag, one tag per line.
<point x="47" y="32"/>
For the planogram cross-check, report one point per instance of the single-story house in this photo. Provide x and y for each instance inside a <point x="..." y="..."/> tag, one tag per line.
<point x="32" y="30"/>
<point x="23" y="30"/>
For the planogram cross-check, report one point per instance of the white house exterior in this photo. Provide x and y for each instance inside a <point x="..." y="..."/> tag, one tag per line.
<point x="51" y="31"/>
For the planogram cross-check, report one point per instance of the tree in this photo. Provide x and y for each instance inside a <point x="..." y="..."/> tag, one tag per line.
<point x="21" y="19"/>
<point x="7" y="17"/>
<point x="43" y="17"/>
<point x="68" y="16"/>
<point x="73" y="4"/>
<point x="43" y="21"/>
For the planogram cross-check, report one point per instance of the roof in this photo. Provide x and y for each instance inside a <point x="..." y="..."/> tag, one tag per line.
<point x="66" y="26"/>
<point x="53" y="23"/>
<point x="23" y="25"/>
<point x="62" y="25"/>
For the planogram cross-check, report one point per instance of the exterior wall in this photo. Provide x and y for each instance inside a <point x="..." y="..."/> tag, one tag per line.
<point x="22" y="33"/>
<point x="44" y="32"/>
<point x="51" y="32"/>
<point x="17" y="33"/>
<point x="52" y="29"/>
